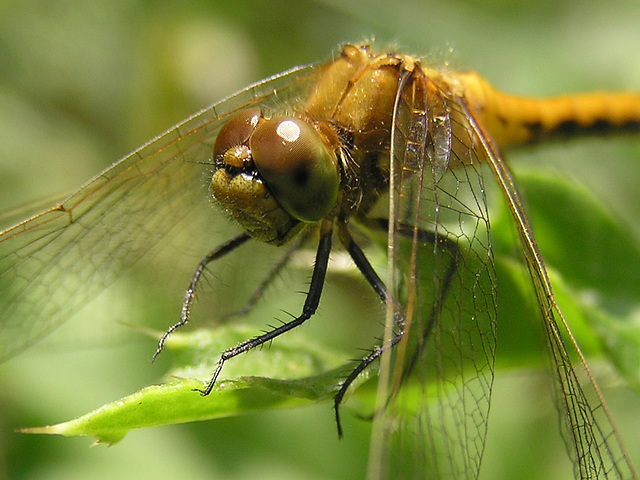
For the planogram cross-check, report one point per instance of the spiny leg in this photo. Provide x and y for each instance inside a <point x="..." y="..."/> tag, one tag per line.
<point x="446" y="244"/>
<point x="283" y="261"/>
<point x="443" y="243"/>
<point x="190" y="294"/>
<point x="363" y="264"/>
<point x="309" y="308"/>
<point x="369" y="273"/>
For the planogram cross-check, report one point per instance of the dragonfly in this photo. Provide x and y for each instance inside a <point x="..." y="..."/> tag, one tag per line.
<point x="339" y="152"/>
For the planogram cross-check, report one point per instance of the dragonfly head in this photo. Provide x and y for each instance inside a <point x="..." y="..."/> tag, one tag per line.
<point x="274" y="175"/>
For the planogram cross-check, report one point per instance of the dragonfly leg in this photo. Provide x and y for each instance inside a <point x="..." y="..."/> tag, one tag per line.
<point x="369" y="273"/>
<point x="309" y="308"/>
<point x="444" y="244"/>
<point x="190" y="294"/>
<point x="447" y="245"/>
<point x="399" y="321"/>
<point x="273" y="273"/>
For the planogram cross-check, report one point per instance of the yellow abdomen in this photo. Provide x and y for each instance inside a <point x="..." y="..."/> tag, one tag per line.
<point x="513" y="120"/>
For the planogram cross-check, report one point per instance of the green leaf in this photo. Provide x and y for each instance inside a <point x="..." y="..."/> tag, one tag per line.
<point x="593" y="262"/>
<point x="594" y="267"/>
<point x="295" y="373"/>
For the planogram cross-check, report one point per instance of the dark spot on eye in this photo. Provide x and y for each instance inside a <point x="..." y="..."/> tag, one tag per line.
<point x="300" y="176"/>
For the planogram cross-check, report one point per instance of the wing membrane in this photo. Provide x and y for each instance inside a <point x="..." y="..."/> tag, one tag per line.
<point x="56" y="261"/>
<point x="592" y="440"/>
<point x="444" y="276"/>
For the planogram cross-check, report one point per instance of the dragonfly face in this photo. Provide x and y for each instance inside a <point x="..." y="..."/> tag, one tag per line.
<point x="287" y="154"/>
<point x="380" y="141"/>
<point x="341" y="138"/>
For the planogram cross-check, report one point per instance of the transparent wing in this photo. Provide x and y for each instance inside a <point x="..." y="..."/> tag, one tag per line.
<point x="444" y="276"/>
<point x="56" y="261"/>
<point x="587" y="427"/>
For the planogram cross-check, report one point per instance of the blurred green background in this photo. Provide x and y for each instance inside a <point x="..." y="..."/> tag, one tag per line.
<point x="83" y="83"/>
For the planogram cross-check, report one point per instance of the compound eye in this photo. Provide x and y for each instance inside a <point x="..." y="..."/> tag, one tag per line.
<point x="297" y="165"/>
<point x="236" y="131"/>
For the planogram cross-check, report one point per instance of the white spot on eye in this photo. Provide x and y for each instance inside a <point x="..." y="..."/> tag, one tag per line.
<point x="288" y="130"/>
